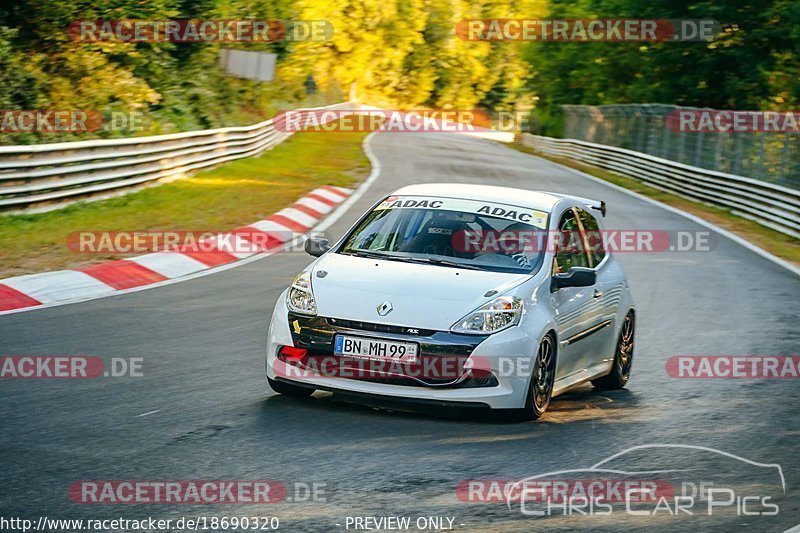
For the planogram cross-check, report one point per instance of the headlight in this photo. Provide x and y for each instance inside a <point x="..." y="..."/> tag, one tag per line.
<point x="300" y="298"/>
<point x="501" y="313"/>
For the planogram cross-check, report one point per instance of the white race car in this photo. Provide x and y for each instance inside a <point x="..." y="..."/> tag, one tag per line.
<point x="462" y="295"/>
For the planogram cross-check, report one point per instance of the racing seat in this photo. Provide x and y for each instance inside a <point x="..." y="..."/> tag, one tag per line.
<point x="436" y="238"/>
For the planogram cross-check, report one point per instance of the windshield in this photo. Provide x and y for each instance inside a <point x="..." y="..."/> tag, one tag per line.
<point x="451" y="233"/>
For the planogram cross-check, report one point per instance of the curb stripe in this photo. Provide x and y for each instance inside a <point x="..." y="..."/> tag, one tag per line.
<point x="289" y="223"/>
<point x="321" y="207"/>
<point x="104" y="279"/>
<point x="58" y="285"/>
<point x="307" y="210"/>
<point x="298" y="216"/>
<point x="169" y="264"/>
<point x="13" y="299"/>
<point x="123" y="274"/>
<point x="278" y="230"/>
<point x="211" y="259"/>
<point x="321" y="198"/>
<point x="339" y="191"/>
<point x="335" y="197"/>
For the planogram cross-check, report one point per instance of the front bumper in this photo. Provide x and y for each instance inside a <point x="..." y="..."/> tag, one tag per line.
<point x="490" y="353"/>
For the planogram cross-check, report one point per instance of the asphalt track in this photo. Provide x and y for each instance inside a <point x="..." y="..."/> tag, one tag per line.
<point x="211" y="416"/>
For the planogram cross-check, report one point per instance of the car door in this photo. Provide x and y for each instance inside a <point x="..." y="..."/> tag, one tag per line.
<point x="607" y="293"/>
<point x="578" y="311"/>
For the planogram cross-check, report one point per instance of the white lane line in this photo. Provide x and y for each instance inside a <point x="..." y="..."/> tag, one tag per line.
<point x="725" y="233"/>
<point x="360" y="191"/>
<point x="148" y="413"/>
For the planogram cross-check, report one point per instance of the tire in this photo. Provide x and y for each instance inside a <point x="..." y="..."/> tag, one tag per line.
<point x="623" y="357"/>
<point x="540" y="390"/>
<point x="287" y="389"/>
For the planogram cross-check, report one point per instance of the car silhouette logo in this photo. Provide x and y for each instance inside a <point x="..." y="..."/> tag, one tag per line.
<point x="385" y="308"/>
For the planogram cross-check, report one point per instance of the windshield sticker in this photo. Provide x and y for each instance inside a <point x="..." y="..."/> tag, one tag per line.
<point x="394" y="202"/>
<point x="533" y="217"/>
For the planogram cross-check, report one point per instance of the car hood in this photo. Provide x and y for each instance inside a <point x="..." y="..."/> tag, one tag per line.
<point x="421" y="296"/>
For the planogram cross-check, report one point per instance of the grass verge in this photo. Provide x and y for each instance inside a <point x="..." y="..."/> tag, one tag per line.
<point x="220" y="199"/>
<point x="776" y="243"/>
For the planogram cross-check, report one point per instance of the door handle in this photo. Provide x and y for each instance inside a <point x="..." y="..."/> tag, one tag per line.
<point x="597" y="294"/>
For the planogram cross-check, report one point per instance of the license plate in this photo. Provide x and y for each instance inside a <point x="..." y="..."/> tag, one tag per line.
<point x="365" y="348"/>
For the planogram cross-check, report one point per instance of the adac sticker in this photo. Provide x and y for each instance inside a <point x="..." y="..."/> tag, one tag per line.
<point x="528" y="216"/>
<point x="519" y="214"/>
<point x="408" y="202"/>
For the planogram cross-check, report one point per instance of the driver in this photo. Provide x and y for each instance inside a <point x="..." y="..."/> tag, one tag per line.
<point x="517" y="241"/>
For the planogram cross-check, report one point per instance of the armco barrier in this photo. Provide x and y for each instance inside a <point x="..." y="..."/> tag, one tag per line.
<point x="771" y="205"/>
<point x="51" y="175"/>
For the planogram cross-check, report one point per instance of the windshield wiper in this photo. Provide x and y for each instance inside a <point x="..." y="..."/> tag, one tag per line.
<point x="406" y="259"/>
<point x="439" y="262"/>
<point x="370" y="254"/>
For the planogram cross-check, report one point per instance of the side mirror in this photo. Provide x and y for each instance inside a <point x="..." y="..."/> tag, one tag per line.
<point x="317" y="246"/>
<point x="576" y="277"/>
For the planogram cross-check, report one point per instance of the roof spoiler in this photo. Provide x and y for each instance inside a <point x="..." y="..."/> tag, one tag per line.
<point x="597" y="205"/>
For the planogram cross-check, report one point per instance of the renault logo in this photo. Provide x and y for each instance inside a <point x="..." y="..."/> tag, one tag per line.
<point x="385" y="308"/>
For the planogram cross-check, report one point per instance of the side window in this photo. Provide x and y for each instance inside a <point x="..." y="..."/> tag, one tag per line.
<point x="570" y="252"/>
<point x="593" y="237"/>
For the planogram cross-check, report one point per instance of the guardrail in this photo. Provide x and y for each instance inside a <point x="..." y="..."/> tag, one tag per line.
<point x="774" y="206"/>
<point x="45" y="176"/>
